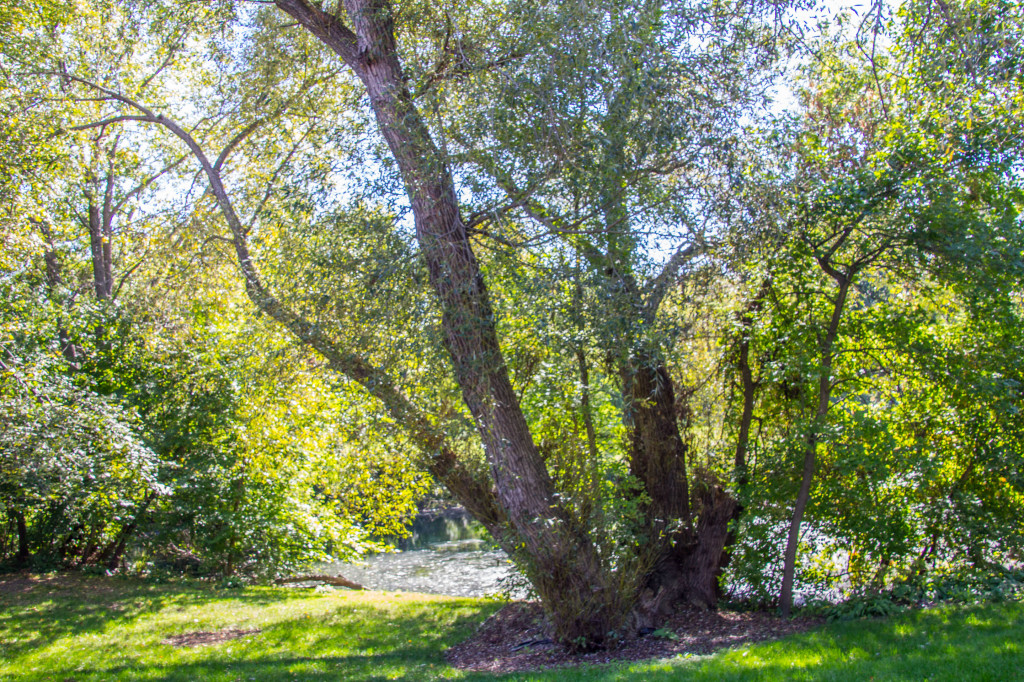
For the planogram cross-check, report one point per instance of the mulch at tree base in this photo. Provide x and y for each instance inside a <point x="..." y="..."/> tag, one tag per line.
<point x="518" y="639"/>
<point x="193" y="639"/>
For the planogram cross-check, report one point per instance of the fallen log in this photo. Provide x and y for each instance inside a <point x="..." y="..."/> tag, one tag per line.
<point x="335" y="580"/>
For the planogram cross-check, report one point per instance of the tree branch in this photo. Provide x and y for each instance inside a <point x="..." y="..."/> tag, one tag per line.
<point x="439" y="458"/>
<point x="31" y="391"/>
<point x="654" y="289"/>
<point x="113" y="119"/>
<point x="336" y="580"/>
<point x="273" y="178"/>
<point x="328" y="28"/>
<point x="128" y="273"/>
<point x="240" y="137"/>
<point x="141" y="187"/>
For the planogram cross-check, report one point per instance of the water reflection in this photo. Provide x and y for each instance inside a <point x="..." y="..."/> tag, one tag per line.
<point x="430" y="529"/>
<point x="447" y="553"/>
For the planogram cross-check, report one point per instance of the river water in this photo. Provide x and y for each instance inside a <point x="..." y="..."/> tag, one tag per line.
<point x="447" y="553"/>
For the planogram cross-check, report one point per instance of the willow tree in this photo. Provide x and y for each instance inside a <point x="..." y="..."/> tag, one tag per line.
<point x="560" y="559"/>
<point x="601" y="130"/>
<point x="466" y="211"/>
<point x="640" y="91"/>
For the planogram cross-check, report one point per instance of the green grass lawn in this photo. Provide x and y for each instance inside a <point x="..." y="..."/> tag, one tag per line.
<point x="78" y="628"/>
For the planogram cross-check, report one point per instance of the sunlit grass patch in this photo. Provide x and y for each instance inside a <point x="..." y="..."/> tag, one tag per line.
<point x="101" y="629"/>
<point x="66" y="630"/>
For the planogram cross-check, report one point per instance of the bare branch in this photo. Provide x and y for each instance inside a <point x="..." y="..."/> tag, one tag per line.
<point x="239" y="138"/>
<point x="589" y="251"/>
<point x="216" y="238"/>
<point x="442" y="70"/>
<point x="277" y="173"/>
<point x="114" y="119"/>
<point x="128" y="273"/>
<point x="41" y="400"/>
<point x="111" y="94"/>
<point x="138" y="189"/>
<point x="163" y="65"/>
<point x="654" y="289"/>
<point x="336" y="580"/>
<point x="479" y="217"/>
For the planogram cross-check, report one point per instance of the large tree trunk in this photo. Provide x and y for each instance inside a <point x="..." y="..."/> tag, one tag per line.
<point x="686" y="533"/>
<point x="689" y="568"/>
<point x="560" y="560"/>
<point x="687" y="556"/>
<point x="100" y="223"/>
<point x="658" y="454"/>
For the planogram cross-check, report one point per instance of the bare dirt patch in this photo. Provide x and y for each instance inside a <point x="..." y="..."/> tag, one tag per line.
<point x="518" y="638"/>
<point x="194" y="639"/>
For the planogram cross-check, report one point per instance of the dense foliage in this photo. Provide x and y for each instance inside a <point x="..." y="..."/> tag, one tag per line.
<point x="564" y="258"/>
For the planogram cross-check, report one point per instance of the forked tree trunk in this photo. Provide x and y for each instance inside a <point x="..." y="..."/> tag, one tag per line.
<point x="689" y="568"/>
<point x="560" y="560"/>
<point x="550" y="545"/>
<point x="687" y="556"/>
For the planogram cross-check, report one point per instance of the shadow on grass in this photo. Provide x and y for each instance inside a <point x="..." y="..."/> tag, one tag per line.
<point x="978" y="643"/>
<point x="380" y="637"/>
<point x="351" y="639"/>
<point x="39" y="611"/>
<point x="367" y="667"/>
<point x="419" y="635"/>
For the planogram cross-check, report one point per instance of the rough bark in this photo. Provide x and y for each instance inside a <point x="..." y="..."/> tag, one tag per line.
<point x="686" y="560"/>
<point x="687" y="537"/>
<point x="562" y="562"/>
<point x="703" y="566"/>
<point x="99" y="221"/>
<point x="689" y="564"/>
<point x="658" y="455"/>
